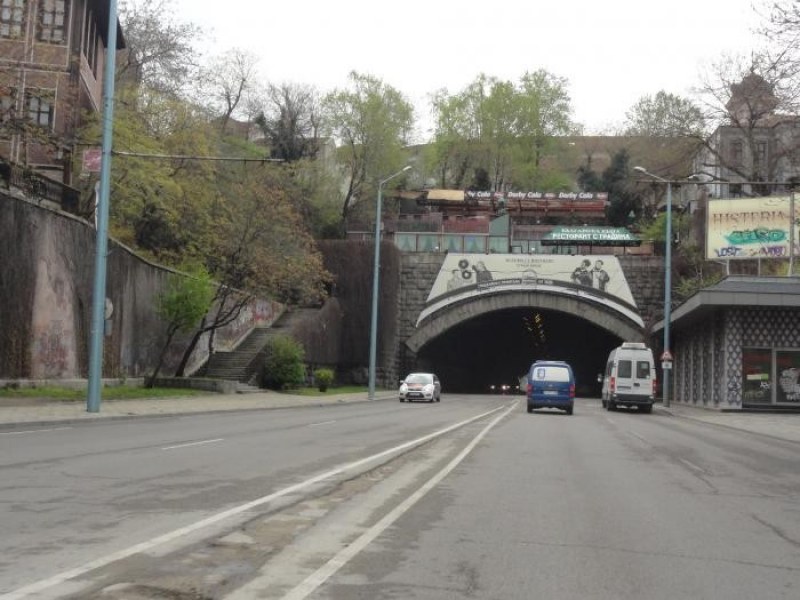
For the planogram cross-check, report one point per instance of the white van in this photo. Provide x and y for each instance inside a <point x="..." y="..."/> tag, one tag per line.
<point x="630" y="378"/>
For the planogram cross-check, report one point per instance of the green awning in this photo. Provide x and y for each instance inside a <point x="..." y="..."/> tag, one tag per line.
<point x="590" y="236"/>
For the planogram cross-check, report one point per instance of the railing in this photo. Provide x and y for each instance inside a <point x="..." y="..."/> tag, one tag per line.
<point x="39" y="187"/>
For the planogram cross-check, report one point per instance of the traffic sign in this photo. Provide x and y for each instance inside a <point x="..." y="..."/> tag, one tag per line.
<point x="666" y="356"/>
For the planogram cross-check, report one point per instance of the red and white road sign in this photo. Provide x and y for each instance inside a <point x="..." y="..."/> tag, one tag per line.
<point x="666" y="356"/>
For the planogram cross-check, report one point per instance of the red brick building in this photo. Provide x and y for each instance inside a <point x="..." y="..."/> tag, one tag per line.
<point x="52" y="59"/>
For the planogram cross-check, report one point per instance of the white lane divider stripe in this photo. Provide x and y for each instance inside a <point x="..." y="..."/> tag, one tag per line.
<point x="322" y="423"/>
<point x="189" y="444"/>
<point x="34" y="431"/>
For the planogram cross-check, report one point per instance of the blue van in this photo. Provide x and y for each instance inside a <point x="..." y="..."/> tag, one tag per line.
<point x="551" y="384"/>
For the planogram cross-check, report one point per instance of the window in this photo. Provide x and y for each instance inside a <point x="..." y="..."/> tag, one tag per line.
<point x="52" y="21"/>
<point x="642" y="369"/>
<point x="737" y="152"/>
<point x="761" y="156"/>
<point x="90" y="42"/>
<point x="8" y="101"/>
<point x="39" y="105"/>
<point x="12" y="15"/>
<point x="624" y="369"/>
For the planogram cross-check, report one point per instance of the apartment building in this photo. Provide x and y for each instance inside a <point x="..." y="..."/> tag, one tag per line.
<point x="52" y="58"/>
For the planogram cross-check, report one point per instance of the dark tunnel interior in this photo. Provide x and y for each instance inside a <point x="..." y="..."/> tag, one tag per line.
<point x="494" y="350"/>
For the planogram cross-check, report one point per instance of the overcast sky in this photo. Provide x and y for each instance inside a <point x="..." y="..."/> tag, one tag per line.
<point x="612" y="53"/>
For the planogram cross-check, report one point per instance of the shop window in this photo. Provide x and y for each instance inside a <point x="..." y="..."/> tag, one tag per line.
<point x="787" y="364"/>
<point x="756" y="376"/>
<point x="52" y="21"/>
<point x="12" y="16"/>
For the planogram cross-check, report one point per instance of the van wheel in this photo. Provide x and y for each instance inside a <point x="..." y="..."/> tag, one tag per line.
<point x="604" y="403"/>
<point x="530" y="409"/>
<point x="646" y="408"/>
<point x="569" y="410"/>
<point x="611" y="406"/>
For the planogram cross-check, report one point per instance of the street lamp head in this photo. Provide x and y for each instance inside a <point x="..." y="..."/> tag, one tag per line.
<point x="640" y="169"/>
<point x="406" y="168"/>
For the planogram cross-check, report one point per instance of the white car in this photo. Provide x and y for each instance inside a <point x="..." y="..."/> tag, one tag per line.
<point x="420" y="386"/>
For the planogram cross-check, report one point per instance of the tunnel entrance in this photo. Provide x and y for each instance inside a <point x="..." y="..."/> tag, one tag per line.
<point x="486" y="352"/>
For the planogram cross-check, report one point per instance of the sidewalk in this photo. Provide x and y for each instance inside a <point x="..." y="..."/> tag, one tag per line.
<point x="21" y="412"/>
<point x="784" y="426"/>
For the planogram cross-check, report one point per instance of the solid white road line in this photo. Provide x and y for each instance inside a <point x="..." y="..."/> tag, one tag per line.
<point x="322" y="423"/>
<point x="193" y="444"/>
<point x="34" y="431"/>
<point x="221" y="516"/>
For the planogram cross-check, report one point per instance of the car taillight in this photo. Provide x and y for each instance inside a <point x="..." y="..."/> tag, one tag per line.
<point x="572" y="391"/>
<point x="612" y="383"/>
<point x="530" y="388"/>
<point x="655" y="386"/>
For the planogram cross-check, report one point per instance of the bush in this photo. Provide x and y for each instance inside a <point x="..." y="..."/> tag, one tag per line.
<point x="323" y="378"/>
<point x="283" y="366"/>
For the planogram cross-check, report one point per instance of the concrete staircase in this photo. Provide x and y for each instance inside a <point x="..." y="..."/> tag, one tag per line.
<point x="237" y="365"/>
<point x="240" y="364"/>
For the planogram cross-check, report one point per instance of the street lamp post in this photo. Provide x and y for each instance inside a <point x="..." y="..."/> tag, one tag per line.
<point x="667" y="275"/>
<point x="373" y="330"/>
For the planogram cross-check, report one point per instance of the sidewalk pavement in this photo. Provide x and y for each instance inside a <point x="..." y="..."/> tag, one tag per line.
<point x="776" y="424"/>
<point x="16" y="413"/>
<point x="21" y="412"/>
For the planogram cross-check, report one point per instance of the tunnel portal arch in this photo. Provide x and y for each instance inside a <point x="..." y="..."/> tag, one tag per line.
<point x="439" y="322"/>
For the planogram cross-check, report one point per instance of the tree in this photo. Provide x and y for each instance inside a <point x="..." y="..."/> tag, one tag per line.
<point x="664" y="115"/>
<point x="160" y="52"/>
<point x="258" y="246"/>
<point x="616" y="180"/>
<point x="502" y="128"/>
<point x="185" y="301"/>
<point x="291" y="122"/>
<point x="372" y="121"/>
<point x="227" y="81"/>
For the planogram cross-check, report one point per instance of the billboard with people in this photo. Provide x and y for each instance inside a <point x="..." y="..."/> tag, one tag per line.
<point x="596" y="278"/>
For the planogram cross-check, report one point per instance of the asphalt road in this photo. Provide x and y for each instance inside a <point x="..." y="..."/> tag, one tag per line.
<point x="384" y="500"/>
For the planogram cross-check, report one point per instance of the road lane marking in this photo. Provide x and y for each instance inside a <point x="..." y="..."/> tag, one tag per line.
<point x="640" y="438"/>
<point x="326" y="571"/>
<point x="34" y="431"/>
<point x="193" y="444"/>
<point x="322" y="423"/>
<point x="148" y="545"/>
<point x="692" y="466"/>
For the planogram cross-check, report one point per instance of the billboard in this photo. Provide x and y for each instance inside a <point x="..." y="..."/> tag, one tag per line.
<point x="747" y="228"/>
<point x="594" y="278"/>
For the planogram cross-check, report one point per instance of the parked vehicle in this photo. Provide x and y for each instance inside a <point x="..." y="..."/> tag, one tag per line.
<point x="630" y="378"/>
<point x="421" y="386"/>
<point x="551" y="384"/>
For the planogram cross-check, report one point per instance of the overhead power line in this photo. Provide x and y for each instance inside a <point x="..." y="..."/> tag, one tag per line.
<point x="191" y="157"/>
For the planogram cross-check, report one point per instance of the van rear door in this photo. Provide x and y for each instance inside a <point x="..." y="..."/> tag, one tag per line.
<point x="634" y="377"/>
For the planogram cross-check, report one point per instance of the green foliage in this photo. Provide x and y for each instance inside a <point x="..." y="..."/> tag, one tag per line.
<point x="503" y="129"/>
<point x="623" y="197"/>
<point x="283" y="367"/>
<point x="323" y="378"/>
<point x="186" y="299"/>
<point x="373" y="122"/>
<point x="664" y="115"/>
